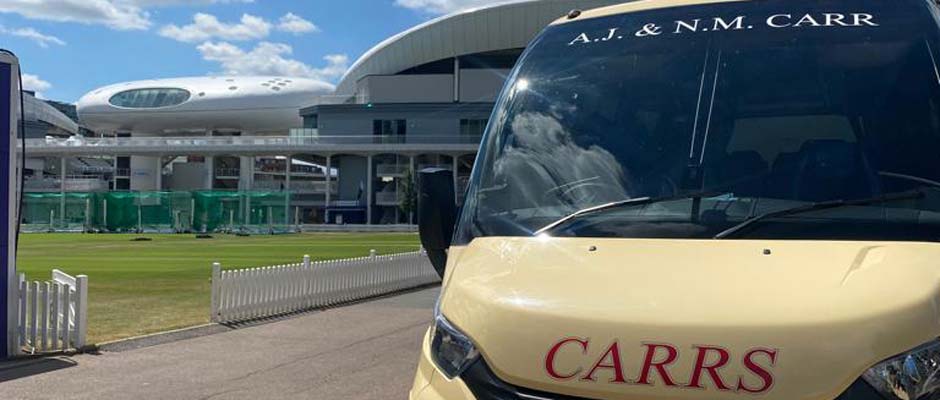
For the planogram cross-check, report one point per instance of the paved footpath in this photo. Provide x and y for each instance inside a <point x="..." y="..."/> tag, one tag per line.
<point x="362" y="351"/>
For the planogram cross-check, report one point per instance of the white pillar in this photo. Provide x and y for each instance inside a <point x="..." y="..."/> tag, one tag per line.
<point x="209" y="179"/>
<point x="456" y="79"/>
<point x="246" y="172"/>
<point x="414" y="181"/>
<point x="369" y="190"/>
<point x="210" y="173"/>
<point x="159" y="173"/>
<point x="287" y="196"/>
<point x="63" y="166"/>
<point x="329" y="187"/>
<point x="114" y="174"/>
<point x="287" y="172"/>
<point x="455" y="158"/>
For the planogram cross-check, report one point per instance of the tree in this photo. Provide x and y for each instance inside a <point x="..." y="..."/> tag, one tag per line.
<point x="409" y="195"/>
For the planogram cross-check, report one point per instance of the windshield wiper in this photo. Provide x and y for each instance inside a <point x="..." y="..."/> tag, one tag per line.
<point x="823" y="205"/>
<point x="639" y="201"/>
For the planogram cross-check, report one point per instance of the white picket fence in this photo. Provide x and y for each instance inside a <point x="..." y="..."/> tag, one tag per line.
<point x="52" y="315"/>
<point x="245" y="294"/>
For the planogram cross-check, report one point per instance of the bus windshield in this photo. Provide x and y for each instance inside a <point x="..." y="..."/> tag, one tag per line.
<point x="745" y="109"/>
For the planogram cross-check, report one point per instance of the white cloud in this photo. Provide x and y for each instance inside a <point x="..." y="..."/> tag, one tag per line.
<point x="295" y="24"/>
<point x="270" y="59"/>
<point x="35" y="84"/>
<point x="207" y="26"/>
<point x="158" y="3"/>
<point x="117" y="14"/>
<point x="447" y="6"/>
<point x="40" y="38"/>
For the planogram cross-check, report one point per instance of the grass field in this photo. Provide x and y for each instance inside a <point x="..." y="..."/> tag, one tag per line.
<point x="140" y="287"/>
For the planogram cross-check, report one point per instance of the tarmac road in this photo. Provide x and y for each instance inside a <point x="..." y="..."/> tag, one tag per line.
<point x="362" y="351"/>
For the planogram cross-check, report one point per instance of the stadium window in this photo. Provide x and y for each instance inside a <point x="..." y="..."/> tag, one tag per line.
<point x="150" y="98"/>
<point x="311" y="121"/>
<point x="389" y="127"/>
<point x="472" y="127"/>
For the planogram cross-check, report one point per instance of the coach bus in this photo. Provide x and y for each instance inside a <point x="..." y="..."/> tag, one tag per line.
<point x="700" y="199"/>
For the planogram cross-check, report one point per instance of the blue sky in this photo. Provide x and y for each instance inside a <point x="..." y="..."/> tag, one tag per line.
<point x="68" y="47"/>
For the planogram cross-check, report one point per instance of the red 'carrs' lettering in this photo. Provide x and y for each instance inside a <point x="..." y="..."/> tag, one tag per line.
<point x="550" y="358"/>
<point x="613" y="353"/>
<point x="650" y="363"/>
<point x="711" y="369"/>
<point x="758" y="370"/>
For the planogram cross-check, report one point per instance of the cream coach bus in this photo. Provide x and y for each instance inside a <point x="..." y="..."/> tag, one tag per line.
<point x="700" y="200"/>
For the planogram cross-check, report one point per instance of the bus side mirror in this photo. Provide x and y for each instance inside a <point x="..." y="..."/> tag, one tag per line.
<point x="437" y="214"/>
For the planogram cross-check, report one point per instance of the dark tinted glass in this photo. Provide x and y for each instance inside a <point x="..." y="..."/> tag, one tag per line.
<point x="771" y="104"/>
<point x="150" y="98"/>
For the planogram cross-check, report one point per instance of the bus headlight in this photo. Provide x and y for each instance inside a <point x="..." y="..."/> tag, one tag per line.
<point x="451" y="350"/>
<point x="914" y="375"/>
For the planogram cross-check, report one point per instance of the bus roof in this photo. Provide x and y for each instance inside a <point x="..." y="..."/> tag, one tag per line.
<point x="634" y="6"/>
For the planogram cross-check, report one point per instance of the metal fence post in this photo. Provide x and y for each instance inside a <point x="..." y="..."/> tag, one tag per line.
<point x="81" y="310"/>
<point x="216" y="283"/>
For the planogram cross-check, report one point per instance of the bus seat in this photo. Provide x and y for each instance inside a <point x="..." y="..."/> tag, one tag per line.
<point x="782" y="178"/>
<point x="740" y="172"/>
<point x="833" y="169"/>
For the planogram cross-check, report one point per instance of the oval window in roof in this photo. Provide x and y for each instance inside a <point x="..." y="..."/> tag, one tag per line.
<point x="150" y="98"/>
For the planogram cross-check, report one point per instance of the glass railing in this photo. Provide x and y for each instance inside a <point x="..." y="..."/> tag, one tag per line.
<point x="251" y="141"/>
<point x="92" y="169"/>
<point x="314" y="187"/>
<point x="386" y="198"/>
<point x="449" y="167"/>
<point x="268" y="185"/>
<point x="391" y="169"/>
<point x="72" y="184"/>
<point x="227" y="172"/>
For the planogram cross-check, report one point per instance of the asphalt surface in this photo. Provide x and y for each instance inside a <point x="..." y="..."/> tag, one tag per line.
<point x="362" y="351"/>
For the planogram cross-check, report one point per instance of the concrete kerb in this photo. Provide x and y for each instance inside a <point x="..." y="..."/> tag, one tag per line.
<point x="193" y="332"/>
<point x="214" y="328"/>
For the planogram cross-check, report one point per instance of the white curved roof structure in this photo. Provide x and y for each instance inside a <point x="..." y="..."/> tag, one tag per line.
<point x="500" y="27"/>
<point x="37" y="110"/>
<point x="250" y="104"/>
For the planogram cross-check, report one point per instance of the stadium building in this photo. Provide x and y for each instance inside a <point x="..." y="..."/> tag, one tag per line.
<point x="418" y="99"/>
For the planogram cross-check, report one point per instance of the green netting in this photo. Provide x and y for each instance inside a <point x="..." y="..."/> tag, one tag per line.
<point x="268" y="211"/>
<point x="263" y="212"/>
<point x="201" y="211"/>
<point x="55" y="212"/>
<point x="217" y="211"/>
